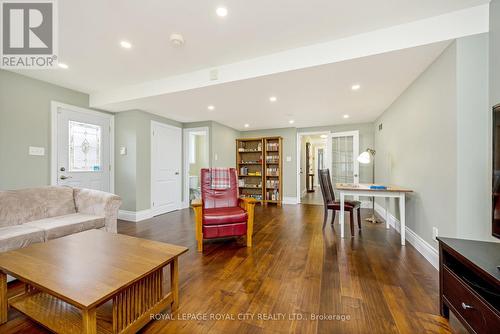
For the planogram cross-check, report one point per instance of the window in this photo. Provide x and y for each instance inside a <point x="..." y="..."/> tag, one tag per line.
<point x="84" y="147"/>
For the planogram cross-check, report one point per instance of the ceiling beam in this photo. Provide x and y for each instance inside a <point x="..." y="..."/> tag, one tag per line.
<point x="449" y="26"/>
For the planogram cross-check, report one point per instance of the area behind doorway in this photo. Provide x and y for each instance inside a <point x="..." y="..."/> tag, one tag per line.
<point x="312" y="158"/>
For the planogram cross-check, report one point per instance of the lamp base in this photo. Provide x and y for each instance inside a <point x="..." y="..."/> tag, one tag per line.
<point x="372" y="220"/>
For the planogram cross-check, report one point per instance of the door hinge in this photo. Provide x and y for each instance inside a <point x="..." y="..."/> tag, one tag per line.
<point x="110" y="168"/>
<point x="153" y="203"/>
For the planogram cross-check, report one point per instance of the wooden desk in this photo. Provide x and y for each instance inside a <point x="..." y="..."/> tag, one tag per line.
<point x="346" y="189"/>
<point x="68" y="279"/>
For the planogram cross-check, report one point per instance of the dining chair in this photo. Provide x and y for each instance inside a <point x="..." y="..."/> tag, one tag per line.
<point x="331" y="204"/>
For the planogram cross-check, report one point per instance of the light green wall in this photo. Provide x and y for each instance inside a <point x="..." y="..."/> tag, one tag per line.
<point x="494" y="52"/>
<point x="416" y="148"/>
<point x="473" y="138"/>
<point x="133" y="171"/>
<point x="223" y="139"/>
<point x="24" y="122"/>
<point x="435" y="141"/>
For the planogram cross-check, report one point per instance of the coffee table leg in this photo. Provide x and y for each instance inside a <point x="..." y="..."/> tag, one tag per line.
<point x="3" y="298"/>
<point x="89" y="321"/>
<point x="174" y="283"/>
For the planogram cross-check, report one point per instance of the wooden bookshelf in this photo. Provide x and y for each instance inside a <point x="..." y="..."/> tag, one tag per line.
<point x="259" y="165"/>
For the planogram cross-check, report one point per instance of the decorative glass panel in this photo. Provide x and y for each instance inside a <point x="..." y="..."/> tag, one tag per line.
<point x="84" y="147"/>
<point x="342" y="160"/>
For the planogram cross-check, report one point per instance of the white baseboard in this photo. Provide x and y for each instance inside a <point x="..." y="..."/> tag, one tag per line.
<point x="422" y="246"/>
<point x="135" y="216"/>
<point x="290" y="200"/>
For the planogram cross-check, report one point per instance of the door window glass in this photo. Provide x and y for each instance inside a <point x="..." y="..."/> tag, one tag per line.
<point x="84" y="147"/>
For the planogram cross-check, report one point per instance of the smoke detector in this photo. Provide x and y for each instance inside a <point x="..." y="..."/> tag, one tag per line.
<point x="177" y="40"/>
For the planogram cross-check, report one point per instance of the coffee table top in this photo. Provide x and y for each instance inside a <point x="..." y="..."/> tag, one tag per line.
<point x="88" y="268"/>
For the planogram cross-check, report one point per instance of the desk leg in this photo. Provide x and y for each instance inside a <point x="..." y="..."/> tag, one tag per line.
<point x="387" y="203"/>
<point x="402" y="207"/>
<point x="341" y="214"/>
<point x="3" y="298"/>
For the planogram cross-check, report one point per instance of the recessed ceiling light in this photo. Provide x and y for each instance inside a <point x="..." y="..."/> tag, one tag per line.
<point x="246" y="125"/>
<point x="324" y="136"/>
<point x="291" y="121"/>
<point x="125" y="44"/>
<point x="346" y="116"/>
<point x="210" y="107"/>
<point x="221" y="11"/>
<point x="63" y="65"/>
<point x="355" y="87"/>
<point x="273" y="99"/>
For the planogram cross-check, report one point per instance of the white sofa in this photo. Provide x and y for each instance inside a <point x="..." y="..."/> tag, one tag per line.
<point x="40" y="214"/>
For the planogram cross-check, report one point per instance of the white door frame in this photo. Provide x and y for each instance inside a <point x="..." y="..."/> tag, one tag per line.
<point x="186" y="132"/>
<point x="156" y="212"/>
<point x="54" y="108"/>
<point x="299" y="152"/>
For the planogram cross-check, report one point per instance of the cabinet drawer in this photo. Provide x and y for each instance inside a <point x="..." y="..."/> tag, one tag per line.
<point x="466" y="305"/>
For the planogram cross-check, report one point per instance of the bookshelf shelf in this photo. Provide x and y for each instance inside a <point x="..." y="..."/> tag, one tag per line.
<point x="260" y="155"/>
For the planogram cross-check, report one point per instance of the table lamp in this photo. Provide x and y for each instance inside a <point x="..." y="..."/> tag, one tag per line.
<point x="366" y="158"/>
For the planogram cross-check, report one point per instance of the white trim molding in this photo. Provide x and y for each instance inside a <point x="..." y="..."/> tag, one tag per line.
<point x="422" y="246"/>
<point x="135" y="216"/>
<point x="290" y="200"/>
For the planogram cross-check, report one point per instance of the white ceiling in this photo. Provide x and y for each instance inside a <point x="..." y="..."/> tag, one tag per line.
<point x="314" y="96"/>
<point x="90" y="32"/>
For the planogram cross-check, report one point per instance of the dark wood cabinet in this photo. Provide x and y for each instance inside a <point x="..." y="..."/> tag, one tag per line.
<point x="469" y="283"/>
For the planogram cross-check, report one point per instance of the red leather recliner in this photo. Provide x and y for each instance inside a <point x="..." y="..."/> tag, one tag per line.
<point x="220" y="212"/>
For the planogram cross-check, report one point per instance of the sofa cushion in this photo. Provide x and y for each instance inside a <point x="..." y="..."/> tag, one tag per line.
<point x="25" y="205"/>
<point x="13" y="237"/>
<point x="217" y="216"/>
<point x="61" y="226"/>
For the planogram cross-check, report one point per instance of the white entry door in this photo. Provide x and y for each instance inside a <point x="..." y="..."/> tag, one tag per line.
<point x="82" y="144"/>
<point x="166" y="166"/>
<point x="343" y="151"/>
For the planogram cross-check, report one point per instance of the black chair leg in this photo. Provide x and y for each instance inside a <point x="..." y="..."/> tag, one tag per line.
<point x="325" y="218"/>
<point x="351" y="216"/>
<point x="333" y="217"/>
<point x="359" y="218"/>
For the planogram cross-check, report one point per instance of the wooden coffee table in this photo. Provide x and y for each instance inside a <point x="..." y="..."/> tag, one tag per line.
<point x="91" y="282"/>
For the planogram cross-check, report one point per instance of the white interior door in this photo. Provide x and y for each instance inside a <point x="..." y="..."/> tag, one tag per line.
<point x="343" y="151"/>
<point x="166" y="164"/>
<point x="83" y="143"/>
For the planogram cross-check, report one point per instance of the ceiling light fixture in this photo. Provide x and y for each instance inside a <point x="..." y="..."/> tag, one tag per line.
<point x="221" y="11"/>
<point x="125" y="44"/>
<point x="273" y="99"/>
<point x="63" y="65"/>
<point x="346" y="116"/>
<point x="210" y="107"/>
<point x="246" y="125"/>
<point x="291" y="121"/>
<point x="324" y="136"/>
<point x="355" y="87"/>
<point x="177" y="40"/>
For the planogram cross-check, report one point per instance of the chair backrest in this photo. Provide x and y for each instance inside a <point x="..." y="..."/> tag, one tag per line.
<point x="219" y="198"/>
<point x="326" y="185"/>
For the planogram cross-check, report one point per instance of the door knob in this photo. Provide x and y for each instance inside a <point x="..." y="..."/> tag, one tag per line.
<point x="176" y="173"/>
<point x="64" y="177"/>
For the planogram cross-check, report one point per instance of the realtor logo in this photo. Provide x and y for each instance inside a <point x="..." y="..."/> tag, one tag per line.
<point x="29" y="34"/>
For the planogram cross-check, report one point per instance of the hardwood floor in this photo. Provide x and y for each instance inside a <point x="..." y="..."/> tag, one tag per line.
<point x="295" y="270"/>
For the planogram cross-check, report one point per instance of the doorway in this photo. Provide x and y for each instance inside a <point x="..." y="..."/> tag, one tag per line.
<point x="196" y="157"/>
<point x="82" y="148"/>
<point x="166" y="167"/>
<point x="312" y="155"/>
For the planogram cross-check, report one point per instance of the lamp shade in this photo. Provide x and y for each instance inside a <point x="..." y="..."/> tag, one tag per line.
<point x="365" y="158"/>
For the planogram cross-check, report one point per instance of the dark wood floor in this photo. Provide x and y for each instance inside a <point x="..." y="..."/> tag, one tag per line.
<point x="294" y="269"/>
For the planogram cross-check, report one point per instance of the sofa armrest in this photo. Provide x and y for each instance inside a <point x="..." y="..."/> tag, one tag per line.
<point x="197" y="205"/>
<point x="95" y="202"/>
